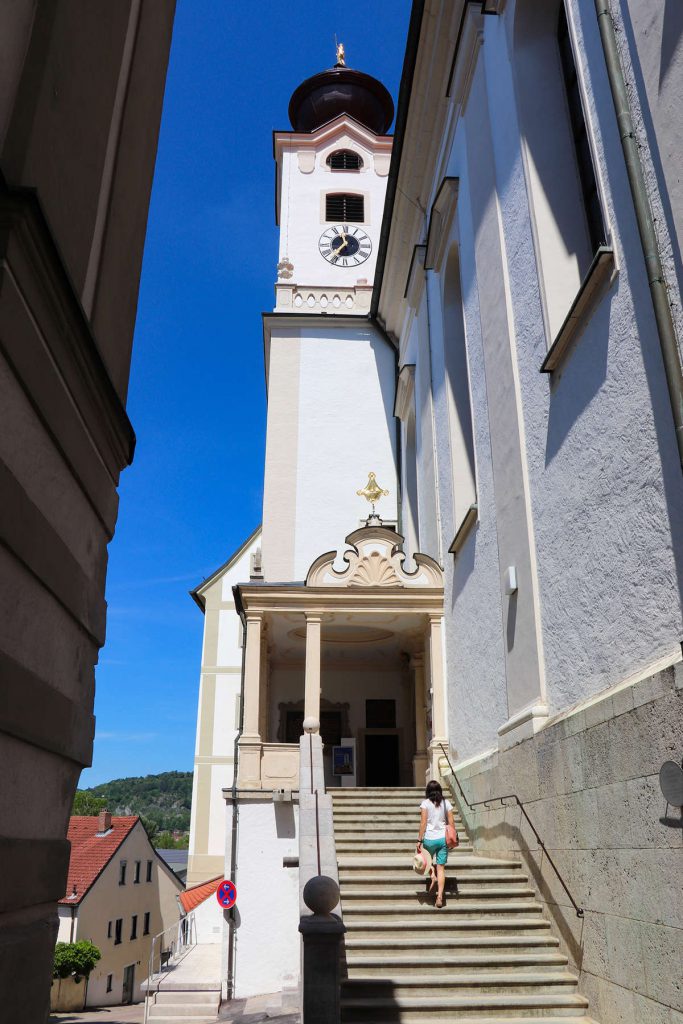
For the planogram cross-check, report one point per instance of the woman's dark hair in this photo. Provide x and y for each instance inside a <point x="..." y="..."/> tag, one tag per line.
<point x="434" y="792"/>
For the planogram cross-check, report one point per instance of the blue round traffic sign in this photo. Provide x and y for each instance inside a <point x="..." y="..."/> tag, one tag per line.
<point x="226" y="894"/>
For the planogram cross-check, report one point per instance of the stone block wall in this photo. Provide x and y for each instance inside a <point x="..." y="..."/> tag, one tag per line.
<point x="589" y="783"/>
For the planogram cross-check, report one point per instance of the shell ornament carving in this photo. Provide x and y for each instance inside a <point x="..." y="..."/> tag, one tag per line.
<point x="374" y="570"/>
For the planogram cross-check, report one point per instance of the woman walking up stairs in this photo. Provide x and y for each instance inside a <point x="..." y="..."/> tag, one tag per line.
<point x="487" y="957"/>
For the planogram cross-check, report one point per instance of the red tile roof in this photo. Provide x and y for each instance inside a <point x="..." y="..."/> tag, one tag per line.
<point x="91" y="853"/>
<point x="192" y="897"/>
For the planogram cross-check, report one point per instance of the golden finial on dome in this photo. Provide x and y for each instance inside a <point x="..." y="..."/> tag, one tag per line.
<point x="341" y="61"/>
<point x="372" y="492"/>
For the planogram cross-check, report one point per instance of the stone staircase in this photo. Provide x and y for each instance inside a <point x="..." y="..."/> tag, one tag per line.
<point x="487" y="957"/>
<point x="183" y="1007"/>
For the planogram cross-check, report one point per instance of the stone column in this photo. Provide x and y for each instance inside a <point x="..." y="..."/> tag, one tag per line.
<point x="312" y="680"/>
<point x="421" y="757"/>
<point x="436" y="664"/>
<point x="249" y="774"/>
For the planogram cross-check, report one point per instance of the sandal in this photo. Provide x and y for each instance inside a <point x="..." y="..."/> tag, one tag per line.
<point x="438" y="903"/>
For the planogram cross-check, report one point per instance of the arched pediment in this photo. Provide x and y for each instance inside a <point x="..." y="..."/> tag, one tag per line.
<point x="374" y="558"/>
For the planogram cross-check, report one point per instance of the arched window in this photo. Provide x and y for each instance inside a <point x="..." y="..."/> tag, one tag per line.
<point x="458" y="380"/>
<point x="563" y="190"/>
<point x="344" y="160"/>
<point x="340" y="206"/>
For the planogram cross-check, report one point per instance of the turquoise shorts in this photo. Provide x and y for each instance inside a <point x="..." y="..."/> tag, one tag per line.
<point x="437" y="848"/>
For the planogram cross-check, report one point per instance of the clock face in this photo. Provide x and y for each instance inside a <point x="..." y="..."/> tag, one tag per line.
<point x="344" y="245"/>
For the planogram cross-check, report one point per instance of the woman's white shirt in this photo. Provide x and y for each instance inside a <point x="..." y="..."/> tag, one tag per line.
<point x="436" y="819"/>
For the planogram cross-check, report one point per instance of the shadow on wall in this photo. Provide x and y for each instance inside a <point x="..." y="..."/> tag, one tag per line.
<point x="672" y="36"/>
<point x="574" y="386"/>
<point x="285" y="826"/>
<point x="563" y="916"/>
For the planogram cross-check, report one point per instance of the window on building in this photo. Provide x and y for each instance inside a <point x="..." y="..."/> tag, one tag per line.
<point x="136" y="876"/>
<point x="110" y="978"/>
<point x="458" y="392"/>
<point x="344" y="160"/>
<point x="118" y="931"/>
<point x="339" y="206"/>
<point x="145" y="925"/>
<point x="109" y="926"/>
<point x="134" y="926"/>
<point x="149" y="870"/>
<point x="584" y="159"/>
<point x="122" y="872"/>
<point x="567" y="219"/>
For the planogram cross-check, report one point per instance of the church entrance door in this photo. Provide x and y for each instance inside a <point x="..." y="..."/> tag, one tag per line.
<point x="382" y="765"/>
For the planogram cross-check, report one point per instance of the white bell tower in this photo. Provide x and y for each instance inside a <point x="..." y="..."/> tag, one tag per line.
<point x="330" y="370"/>
<point x="331" y="183"/>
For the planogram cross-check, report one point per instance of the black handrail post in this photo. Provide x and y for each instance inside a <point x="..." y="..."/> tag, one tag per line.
<point x="501" y="800"/>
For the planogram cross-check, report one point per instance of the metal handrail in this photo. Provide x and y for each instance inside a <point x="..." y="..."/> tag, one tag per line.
<point x="185" y="937"/>
<point x="502" y="799"/>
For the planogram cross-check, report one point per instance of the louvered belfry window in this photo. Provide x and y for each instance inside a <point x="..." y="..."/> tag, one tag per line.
<point x="342" y="207"/>
<point x="344" y="160"/>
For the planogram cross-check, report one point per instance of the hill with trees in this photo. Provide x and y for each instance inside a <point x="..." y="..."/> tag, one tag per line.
<point x="163" y="802"/>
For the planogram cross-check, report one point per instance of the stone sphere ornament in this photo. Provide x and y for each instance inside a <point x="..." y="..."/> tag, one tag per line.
<point x="321" y="894"/>
<point x="311" y="725"/>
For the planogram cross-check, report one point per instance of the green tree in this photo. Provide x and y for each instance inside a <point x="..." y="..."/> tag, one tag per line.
<point x="87" y="804"/>
<point x="75" y="958"/>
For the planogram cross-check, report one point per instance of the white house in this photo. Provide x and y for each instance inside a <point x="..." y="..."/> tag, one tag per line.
<point x="119" y="895"/>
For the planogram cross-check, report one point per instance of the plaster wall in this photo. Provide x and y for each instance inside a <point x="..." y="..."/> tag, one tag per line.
<point x="429" y="540"/>
<point x="652" y="49"/>
<point x="575" y="489"/>
<point x="302" y="208"/>
<point x="475" y="651"/>
<point x="107" y="901"/>
<point x="330" y="422"/>
<point x="604" y="484"/>
<point x="589" y="783"/>
<point x="208" y="920"/>
<point x="217" y="716"/>
<point x="267" y="919"/>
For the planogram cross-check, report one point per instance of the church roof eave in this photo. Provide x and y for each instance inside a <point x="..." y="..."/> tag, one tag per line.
<point x="197" y="593"/>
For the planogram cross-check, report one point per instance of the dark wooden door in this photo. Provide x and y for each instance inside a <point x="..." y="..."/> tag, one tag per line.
<point x="381" y="760"/>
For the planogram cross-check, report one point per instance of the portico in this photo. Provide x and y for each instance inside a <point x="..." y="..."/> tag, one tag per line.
<point x="358" y="648"/>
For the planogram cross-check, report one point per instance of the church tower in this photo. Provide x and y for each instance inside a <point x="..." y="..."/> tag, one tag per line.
<point x="330" y="371"/>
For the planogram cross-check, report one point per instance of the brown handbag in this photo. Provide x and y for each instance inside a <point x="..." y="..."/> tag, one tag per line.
<point x="451" y="835"/>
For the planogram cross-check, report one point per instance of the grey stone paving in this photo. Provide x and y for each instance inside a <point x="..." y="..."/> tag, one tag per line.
<point x="104" y="1015"/>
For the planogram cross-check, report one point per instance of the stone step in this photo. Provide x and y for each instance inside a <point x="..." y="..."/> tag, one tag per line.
<point x="518" y="1018"/>
<point x="402" y="827"/>
<point x="348" y="792"/>
<point x="381" y="862"/>
<point x="453" y="907"/>
<point x="378" y="845"/>
<point x="408" y="879"/>
<point x="181" y="1012"/>
<point x="382" y="945"/>
<point x="372" y="987"/>
<point x="434" y="923"/>
<point x="210" y="998"/>
<point x="414" y="1009"/>
<point x="401" y="892"/>
<point x="188" y="1018"/>
<point x="420" y="962"/>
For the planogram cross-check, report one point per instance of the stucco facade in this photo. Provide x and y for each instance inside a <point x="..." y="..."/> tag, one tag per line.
<point x="563" y="584"/>
<point x="81" y="89"/>
<point x="218" y="712"/>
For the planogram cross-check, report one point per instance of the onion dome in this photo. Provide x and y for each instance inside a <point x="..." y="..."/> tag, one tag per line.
<point x="341" y="90"/>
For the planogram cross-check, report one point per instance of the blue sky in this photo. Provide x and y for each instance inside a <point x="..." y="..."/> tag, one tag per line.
<point x="197" y="398"/>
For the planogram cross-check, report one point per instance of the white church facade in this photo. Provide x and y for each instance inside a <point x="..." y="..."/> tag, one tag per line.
<point x="478" y="312"/>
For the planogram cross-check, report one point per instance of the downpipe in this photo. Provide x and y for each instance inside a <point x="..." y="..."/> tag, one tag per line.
<point x="646" y="228"/>
<point x="235" y="812"/>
